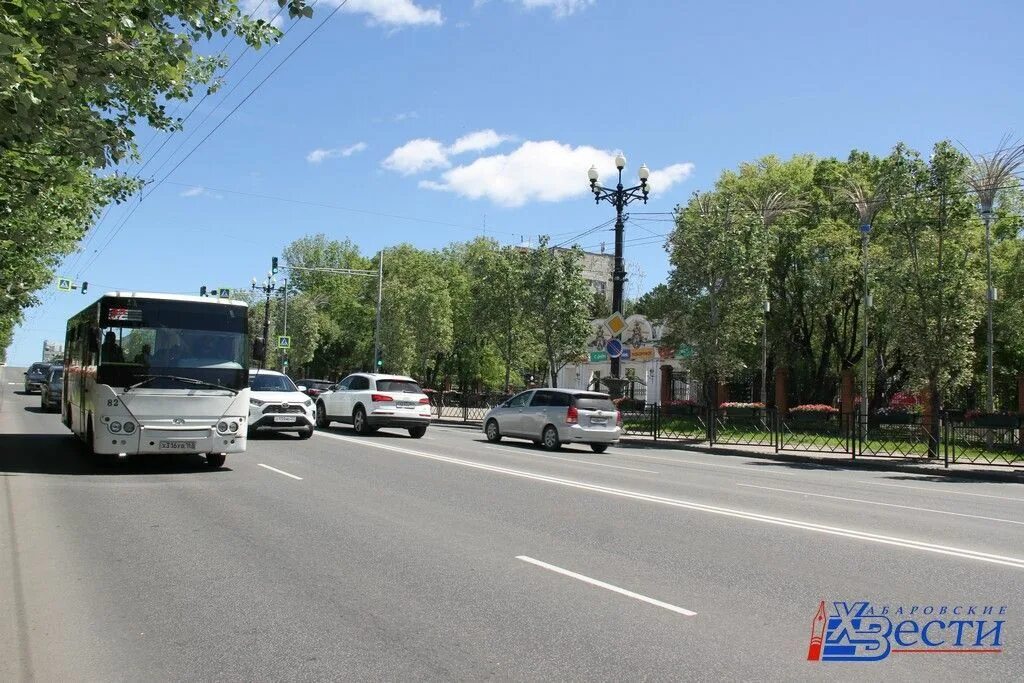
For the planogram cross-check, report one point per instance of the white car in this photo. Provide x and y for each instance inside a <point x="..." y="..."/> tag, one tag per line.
<point x="370" y="401"/>
<point x="277" y="405"/>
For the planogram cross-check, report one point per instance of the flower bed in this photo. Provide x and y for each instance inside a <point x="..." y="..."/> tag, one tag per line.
<point x="1004" y="420"/>
<point x="679" y="408"/>
<point x="735" y="409"/>
<point x="812" y="412"/>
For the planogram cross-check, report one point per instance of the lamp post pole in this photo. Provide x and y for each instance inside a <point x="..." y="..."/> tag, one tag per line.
<point x="864" y="230"/>
<point x="619" y="197"/>
<point x="267" y="288"/>
<point x="764" y="354"/>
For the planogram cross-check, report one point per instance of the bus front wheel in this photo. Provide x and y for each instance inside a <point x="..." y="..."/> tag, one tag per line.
<point x="215" y="460"/>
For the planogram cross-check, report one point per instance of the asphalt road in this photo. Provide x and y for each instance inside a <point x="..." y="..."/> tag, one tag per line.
<point x="450" y="558"/>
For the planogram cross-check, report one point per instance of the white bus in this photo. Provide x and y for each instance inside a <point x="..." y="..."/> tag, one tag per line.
<point x="158" y="373"/>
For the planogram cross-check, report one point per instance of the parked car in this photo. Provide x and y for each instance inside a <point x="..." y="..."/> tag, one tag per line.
<point x="52" y="390"/>
<point x="552" y="417"/>
<point x="36" y="376"/>
<point x="277" y="405"/>
<point x="370" y="401"/>
<point x="315" y="387"/>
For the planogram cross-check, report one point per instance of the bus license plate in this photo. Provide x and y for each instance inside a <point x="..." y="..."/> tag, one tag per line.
<point x="284" y="418"/>
<point x="177" y="445"/>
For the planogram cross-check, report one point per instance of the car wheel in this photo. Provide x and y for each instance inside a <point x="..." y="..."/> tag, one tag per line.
<point x="359" y="423"/>
<point x="306" y="433"/>
<point x="550" y="439"/>
<point x="417" y="432"/>
<point x="250" y="433"/>
<point x="322" y="421"/>
<point x="599" y="447"/>
<point x="492" y="431"/>
<point x="215" y="460"/>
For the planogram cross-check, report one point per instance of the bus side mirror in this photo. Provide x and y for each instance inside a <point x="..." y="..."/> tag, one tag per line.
<point x="259" y="350"/>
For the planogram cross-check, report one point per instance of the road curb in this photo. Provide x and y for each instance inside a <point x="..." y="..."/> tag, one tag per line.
<point x="863" y="463"/>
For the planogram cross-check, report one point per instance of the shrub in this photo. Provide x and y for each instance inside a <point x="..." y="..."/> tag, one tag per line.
<point x="731" y="404"/>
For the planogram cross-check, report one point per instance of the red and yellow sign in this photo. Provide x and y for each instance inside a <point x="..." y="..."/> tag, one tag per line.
<point x="644" y="353"/>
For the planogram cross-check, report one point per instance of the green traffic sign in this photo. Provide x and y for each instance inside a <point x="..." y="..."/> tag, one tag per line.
<point x="598" y="356"/>
<point x="684" y="351"/>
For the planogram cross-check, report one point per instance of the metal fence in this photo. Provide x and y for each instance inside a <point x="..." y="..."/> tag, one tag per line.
<point x="993" y="440"/>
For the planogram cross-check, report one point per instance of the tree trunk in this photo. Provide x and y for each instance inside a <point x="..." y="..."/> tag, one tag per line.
<point x="932" y="421"/>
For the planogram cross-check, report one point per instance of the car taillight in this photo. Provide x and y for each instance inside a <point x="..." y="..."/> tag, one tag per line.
<point x="618" y="417"/>
<point x="572" y="416"/>
<point x="424" y="401"/>
<point x="381" y="398"/>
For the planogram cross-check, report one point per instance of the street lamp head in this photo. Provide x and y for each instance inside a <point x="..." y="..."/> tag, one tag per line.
<point x="647" y="190"/>
<point x="254" y="282"/>
<point x="620" y="161"/>
<point x="644" y="173"/>
<point x="593" y="175"/>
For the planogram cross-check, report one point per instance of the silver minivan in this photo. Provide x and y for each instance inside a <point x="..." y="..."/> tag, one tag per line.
<point x="552" y="417"/>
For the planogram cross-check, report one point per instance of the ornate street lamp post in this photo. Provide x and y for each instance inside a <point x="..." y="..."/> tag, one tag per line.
<point x="619" y="197"/>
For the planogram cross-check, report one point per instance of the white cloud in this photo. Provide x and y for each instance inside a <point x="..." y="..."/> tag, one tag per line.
<point x="546" y="171"/>
<point x="318" y="155"/>
<point x="393" y="13"/>
<point x="424" y="154"/>
<point x="560" y="8"/>
<point x="406" y="116"/>
<point x="417" y="156"/>
<point x="477" y="141"/>
<point x="199" y="191"/>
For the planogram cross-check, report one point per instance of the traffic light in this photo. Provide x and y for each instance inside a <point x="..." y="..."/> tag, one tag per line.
<point x="85" y="286"/>
<point x="380" y="363"/>
<point x="273" y="265"/>
<point x="202" y="291"/>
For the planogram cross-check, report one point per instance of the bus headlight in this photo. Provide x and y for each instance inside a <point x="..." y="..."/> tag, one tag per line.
<point x="222" y="427"/>
<point x="114" y="427"/>
<point x="234" y="427"/>
<point x="129" y="427"/>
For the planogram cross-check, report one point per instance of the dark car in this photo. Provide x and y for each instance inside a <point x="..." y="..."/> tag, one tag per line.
<point x="51" y="391"/>
<point x="36" y="376"/>
<point x="314" y="387"/>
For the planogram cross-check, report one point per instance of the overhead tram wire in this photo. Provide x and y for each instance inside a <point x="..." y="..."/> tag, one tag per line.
<point x="220" y="103"/>
<point x="148" y="158"/>
<point x="235" y="62"/>
<point x="245" y="99"/>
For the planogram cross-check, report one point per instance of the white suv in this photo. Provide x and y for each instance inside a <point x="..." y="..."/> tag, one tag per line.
<point x="277" y="405"/>
<point x="369" y="401"/>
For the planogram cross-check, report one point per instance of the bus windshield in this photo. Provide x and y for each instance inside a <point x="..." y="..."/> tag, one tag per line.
<point x="206" y="342"/>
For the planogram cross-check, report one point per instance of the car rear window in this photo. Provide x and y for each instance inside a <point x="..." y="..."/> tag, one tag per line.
<point x="594" y="402"/>
<point x="403" y="386"/>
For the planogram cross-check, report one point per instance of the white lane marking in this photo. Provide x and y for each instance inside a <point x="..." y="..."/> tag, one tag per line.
<point x="274" y="469"/>
<point x="608" y="586"/>
<point x="578" y="462"/>
<point x="926" y="488"/>
<point x="890" y="505"/>
<point x="1016" y="562"/>
<point x="681" y="461"/>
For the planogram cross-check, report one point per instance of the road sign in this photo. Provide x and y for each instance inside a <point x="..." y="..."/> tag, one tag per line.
<point x="64" y="284"/>
<point x="626" y="354"/>
<point x="284" y="342"/>
<point x="616" y="323"/>
<point x="224" y="293"/>
<point x="644" y="353"/>
<point x="684" y="351"/>
<point x="614" y="348"/>
<point x="598" y="356"/>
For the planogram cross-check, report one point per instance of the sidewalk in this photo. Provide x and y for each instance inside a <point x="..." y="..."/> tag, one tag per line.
<point x="936" y="467"/>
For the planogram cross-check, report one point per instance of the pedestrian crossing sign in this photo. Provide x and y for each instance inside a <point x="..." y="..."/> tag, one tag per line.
<point x="284" y="342"/>
<point x="64" y="284"/>
<point x="224" y="293"/>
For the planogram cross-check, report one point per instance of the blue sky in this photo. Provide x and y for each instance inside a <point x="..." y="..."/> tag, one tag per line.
<point x="466" y="113"/>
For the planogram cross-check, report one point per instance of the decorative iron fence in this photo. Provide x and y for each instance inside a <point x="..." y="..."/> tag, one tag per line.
<point x="992" y="440"/>
<point x="821" y="432"/>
